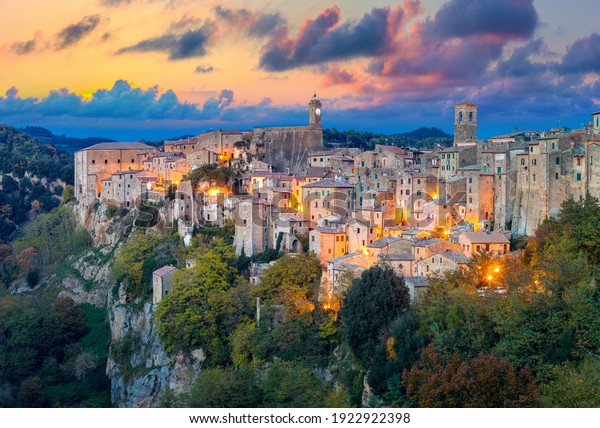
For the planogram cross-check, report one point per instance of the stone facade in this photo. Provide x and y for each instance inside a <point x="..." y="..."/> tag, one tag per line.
<point x="465" y="124"/>
<point x="98" y="162"/>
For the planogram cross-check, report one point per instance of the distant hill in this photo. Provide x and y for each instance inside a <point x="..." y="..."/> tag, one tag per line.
<point x="424" y="138"/>
<point x="30" y="171"/>
<point x="69" y="144"/>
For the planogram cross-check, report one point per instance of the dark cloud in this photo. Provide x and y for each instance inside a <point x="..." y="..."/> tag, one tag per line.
<point x="191" y="43"/>
<point x="322" y="40"/>
<point x="74" y="33"/>
<point x="504" y="18"/>
<point x="583" y="56"/>
<point x="519" y="64"/>
<point x="257" y="24"/>
<point x="106" y="36"/>
<point x="23" y="48"/>
<point x="202" y="69"/>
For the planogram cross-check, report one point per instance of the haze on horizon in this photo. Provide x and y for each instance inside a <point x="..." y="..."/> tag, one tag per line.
<point x="131" y="69"/>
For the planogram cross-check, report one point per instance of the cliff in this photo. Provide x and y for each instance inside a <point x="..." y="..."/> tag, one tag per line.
<point x="139" y="369"/>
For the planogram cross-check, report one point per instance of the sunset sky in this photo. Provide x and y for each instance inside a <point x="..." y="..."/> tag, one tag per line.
<point x="152" y="69"/>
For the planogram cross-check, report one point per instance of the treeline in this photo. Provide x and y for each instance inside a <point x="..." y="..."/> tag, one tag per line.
<point x="517" y="331"/>
<point x="422" y="138"/>
<point x="68" y="144"/>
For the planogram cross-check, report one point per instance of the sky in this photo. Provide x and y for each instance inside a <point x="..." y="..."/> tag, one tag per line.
<point x="155" y="69"/>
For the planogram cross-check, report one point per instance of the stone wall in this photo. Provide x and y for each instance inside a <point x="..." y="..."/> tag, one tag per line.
<point x="288" y="147"/>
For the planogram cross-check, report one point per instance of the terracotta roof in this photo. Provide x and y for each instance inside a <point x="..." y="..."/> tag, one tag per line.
<point x="164" y="270"/>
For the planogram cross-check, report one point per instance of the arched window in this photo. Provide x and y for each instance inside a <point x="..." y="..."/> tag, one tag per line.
<point x="470" y="116"/>
<point x="460" y="117"/>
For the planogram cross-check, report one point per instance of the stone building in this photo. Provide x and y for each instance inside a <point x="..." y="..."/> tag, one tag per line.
<point x="465" y="124"/>
<point x="95" y="163"/>
<point x="162" y="283"/>
<point x="325" y="197"/>
<point x="253" y="223"/>
<point x="442" y="262"/>
<point x="494" y="243"/>
<point x="552" y="169"/>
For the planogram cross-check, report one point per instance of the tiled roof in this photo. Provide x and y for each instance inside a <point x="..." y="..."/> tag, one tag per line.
<point x="328" y="182"/>
<point x="392" y="257"/>
<point x="119" y="146"/>
<point x="458" y="258"/>
<point x="384" y="242"/>
<point x="486" y="237"/>
<point x="426" y="242"/>
<point x="416" y="281"/>
<point x="164" y="270"/>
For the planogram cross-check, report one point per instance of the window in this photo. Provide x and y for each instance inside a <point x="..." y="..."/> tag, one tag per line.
<point x="557" y="160"/>
<point x="578" y="161"/>
<point x="522" y="161"/>
<point x="470" y="181"/>
<point x="534" y="178"/>
<point x="533" y="161"/>
<point x="499" y="170"/>
<point x="556" y="176"/>
<point x="470" y="116"/>
<point x="105" y="160"/>
<point x="578" y="176"/>
<point x="118" y="160"/>
<point x="132" y="160"/>
<point x="460" y="117"/>
<point x="93" y="160"/>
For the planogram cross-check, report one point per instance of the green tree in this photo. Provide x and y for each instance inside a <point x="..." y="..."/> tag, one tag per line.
<point x="574" y="385"/>
<point x="206" y="306"/>
<point x="129" y="263"/>
<point x="68" y="194"/>
<point x="292" y="281"/>
<point x="371" y="303"/>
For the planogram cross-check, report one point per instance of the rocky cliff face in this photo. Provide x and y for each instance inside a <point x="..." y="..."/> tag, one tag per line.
<point x="140" y="370"/>
<point x="138" y="367"/>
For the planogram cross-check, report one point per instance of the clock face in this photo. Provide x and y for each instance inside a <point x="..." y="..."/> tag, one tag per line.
<point x="318" y="112"/>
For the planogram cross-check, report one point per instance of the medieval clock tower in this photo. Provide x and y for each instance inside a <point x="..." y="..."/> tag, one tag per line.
<point x="314" y="111"/>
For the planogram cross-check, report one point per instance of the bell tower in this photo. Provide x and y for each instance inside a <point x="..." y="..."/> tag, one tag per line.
<point x="465" y="124"/>
<point x="314" y="111"/>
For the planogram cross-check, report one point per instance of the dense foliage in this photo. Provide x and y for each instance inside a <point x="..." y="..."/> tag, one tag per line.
<point x="52" y="353"/>
<point x="29" y="173"/>
<point x="207" y="303"/>
<point x="419" y="138"/>
<point x="141" y="255"/>
<point x="42" y="245"/>
<point x="20" y="153"/>
<point x="215" y="175"/>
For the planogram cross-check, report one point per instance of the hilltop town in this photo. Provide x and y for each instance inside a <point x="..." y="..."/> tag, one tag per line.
<point x="418" y="211"/>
